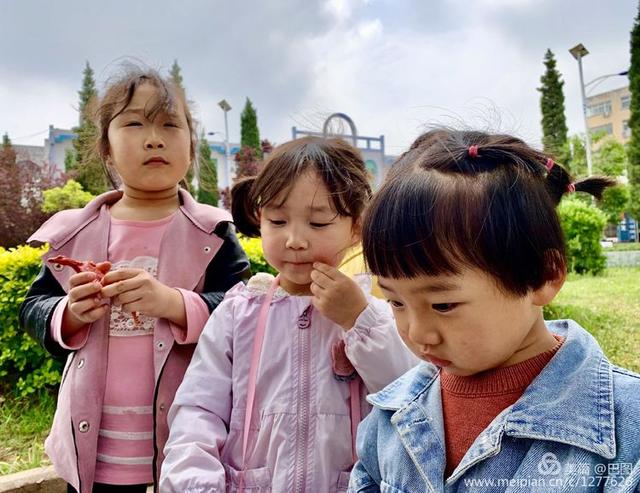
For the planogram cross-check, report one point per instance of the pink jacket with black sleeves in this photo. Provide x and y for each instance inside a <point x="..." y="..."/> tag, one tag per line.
<point x="187" y="260"/>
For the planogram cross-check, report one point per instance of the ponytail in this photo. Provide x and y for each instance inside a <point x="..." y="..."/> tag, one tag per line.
<point x="559" y="182"/>
<point x="244" y="208"/>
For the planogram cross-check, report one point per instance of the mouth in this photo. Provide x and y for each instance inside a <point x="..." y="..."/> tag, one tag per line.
<point x="156" y="160"/>
<point x="436" y="361"/>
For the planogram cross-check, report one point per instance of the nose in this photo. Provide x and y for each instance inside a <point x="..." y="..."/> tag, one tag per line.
<point x="296" y="240"/>
<point x="153" y="140"/>
<point x="422" y="331"/>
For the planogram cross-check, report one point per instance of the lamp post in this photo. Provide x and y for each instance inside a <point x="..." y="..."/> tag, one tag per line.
<point x="578" y="52"/>
<point x="227" y="170"/>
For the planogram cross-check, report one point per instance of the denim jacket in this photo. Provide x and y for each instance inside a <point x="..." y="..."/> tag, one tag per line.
<point x="575" y="428"/>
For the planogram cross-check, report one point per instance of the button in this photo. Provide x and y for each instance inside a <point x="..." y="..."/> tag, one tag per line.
<point x="207" y="249"/>
<point x="160" y="345"/>
<point x="162" y="406"/>
<point x="83" y="426"/>
<point x="57" y="267"/>
<point x="81" y="363"/>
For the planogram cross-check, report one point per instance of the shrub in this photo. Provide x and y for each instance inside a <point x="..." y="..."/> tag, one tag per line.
<point x="253" y="249"/>
<point x="25" y="367"/>
<point x="70" y="196"/>
<point x="583" y="224"/>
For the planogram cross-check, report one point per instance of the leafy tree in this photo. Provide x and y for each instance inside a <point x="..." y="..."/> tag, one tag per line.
<point x="554" y="123"/>
<point x="176" y="74"/>
<point x="634" y="120"/>
<point x="249" y="133"/>
<point x="208" y="182"/>
<point x="88" y="169"/>
<point x="247" y="162"/>
<point x="70" y="196"/>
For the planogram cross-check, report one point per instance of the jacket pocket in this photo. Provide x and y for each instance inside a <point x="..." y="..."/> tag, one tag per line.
<point x="343" y="481"/>
<point x="255" y="480"/>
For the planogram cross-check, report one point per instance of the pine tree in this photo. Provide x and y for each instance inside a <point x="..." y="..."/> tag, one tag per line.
<point x="175" y="74"/>
<point x="249" y="133"/>
<point x="634" y="121"/>
<point x="86" y="165"/>
<point x="208" y="182"/>
<point x="554" y="123"/>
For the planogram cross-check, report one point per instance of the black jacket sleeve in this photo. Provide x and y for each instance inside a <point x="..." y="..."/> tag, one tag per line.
<point x="37" y="310"/>
<point x="229" y="266"/>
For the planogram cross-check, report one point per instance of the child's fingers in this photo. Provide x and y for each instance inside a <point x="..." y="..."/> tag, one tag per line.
<point x="119" y="287"/>
<point x="83" y="307"/>
<point x="320" y="279"/>
<point x="119" y="275"/>
<point x="85" y="290"/>
<point x="81" y="278"/>
<point x="95" y="313"/>
<point x="127" y="297"/>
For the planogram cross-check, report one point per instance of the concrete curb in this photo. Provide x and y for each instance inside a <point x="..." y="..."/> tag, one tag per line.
<point x="39" y="480"/>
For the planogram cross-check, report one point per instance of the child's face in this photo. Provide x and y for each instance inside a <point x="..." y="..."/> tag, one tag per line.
<point x="304" y="230"/>
<point x="464" y="323"/>
<point x="149" y="156"/>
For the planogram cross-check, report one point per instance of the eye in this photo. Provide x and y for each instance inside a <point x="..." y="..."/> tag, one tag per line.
<point x="276" y="222"/>
<point x="395" y="304"/>
<point x="172" y="125"/>
<point x="133" y="124"/>
<point x="319" y="225"/>
<point x="444" y="307"/>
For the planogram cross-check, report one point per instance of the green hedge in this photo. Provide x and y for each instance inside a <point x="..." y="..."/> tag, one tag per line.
<point x="583" y="226"/>
<point x="24" y="366"/>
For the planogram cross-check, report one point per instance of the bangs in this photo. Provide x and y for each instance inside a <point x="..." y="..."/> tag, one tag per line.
<point x="433" y="223"/>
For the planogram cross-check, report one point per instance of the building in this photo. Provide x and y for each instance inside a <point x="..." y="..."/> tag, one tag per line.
<point x="218" y="153"/>
<point x="56" y="145"/>
<point x="609" y="112"/>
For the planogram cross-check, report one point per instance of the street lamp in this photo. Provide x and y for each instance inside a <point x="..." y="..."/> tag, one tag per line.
<point x="227" y="170"/>
<point x="578" y="52"/>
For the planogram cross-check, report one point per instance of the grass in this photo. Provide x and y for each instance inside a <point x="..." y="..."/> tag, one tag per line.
<point x="24" y="424"/>
<point x="608" y="306"/>
<point x="623" y="247"/>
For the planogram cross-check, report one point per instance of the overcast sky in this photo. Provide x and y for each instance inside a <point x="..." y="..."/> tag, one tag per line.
<point x="394" y="66"/>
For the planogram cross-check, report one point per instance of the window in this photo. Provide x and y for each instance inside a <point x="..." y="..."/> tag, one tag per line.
<point x="626" y="131"/>
<point x="625" y="102"/>
<point x="608" y="129"/>
<point x="603" y="109"/>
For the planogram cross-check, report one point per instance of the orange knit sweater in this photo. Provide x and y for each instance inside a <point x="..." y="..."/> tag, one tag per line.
<point x="469" y="404"/>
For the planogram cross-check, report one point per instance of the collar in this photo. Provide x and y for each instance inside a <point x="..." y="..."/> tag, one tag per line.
<point x="579" y="378"/>
<point x="64" y="225"/>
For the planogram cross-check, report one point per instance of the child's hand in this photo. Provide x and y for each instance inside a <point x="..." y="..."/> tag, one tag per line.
<point x="336" y="296"/>
<point x="85" y="304"/>
<point x="138" y="291"/>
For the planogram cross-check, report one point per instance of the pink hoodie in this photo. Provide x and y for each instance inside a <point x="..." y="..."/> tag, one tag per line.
<point x="300" y="438"/>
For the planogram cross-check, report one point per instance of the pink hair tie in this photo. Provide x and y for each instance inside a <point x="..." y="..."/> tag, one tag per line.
<point x="571" y="187"/>
<point x="473" y="151"/>
<point x="549" y="164"/>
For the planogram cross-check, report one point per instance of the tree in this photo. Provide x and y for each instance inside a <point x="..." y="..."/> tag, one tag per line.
<point x="175" y="74"/>
<point x="634" y="121"/>
<point x="249" y="133"/>
<point x="70" y="196"/>
<point x="87" y="167"/>
<point x="554" y="123"/>
<point x="208" y="182"/>
<point x="247" y="162"/>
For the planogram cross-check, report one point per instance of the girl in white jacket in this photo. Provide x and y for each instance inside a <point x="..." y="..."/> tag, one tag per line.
<point x="274" y="393"/>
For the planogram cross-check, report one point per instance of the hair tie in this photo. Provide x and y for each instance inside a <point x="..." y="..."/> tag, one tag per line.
<point x="549" y="164"/>
<point x="571" y="187"/>
<point x="473" y="151"/>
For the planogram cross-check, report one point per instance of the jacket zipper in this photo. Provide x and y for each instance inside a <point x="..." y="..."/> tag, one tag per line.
<point x="302" y="431"/>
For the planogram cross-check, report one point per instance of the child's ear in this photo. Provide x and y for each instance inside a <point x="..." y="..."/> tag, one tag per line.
<point x="548" y="291"/>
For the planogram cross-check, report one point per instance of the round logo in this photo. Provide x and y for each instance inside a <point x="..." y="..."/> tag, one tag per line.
<point x="549" y="465"/>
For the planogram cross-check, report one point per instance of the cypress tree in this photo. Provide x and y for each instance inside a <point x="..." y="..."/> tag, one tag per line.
<point x="84" y="163"/>
<point x="208" y="182"/>
<point x="175" y="74"/>
<point x="249" y="133"/>
<point x="554" y="123"/>
<point x="634" y="121"/>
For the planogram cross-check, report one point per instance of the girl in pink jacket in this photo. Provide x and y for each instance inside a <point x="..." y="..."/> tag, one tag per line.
<point x="275" y="391"/>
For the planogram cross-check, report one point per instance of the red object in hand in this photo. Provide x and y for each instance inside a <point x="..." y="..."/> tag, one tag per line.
<point x="79" y="266"/>
<point x="89" y="266"/>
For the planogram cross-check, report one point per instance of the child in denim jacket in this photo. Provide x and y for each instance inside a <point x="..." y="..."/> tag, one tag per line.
<point x="468" y="248"/>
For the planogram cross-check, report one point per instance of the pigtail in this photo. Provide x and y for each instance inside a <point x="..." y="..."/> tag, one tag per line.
<point x="559" y="182"/>
<point x="244" y="208"/>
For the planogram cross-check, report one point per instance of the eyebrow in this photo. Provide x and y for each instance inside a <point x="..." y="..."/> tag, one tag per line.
<point x="435" y="287"/>
<point x="312" y="208"/>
